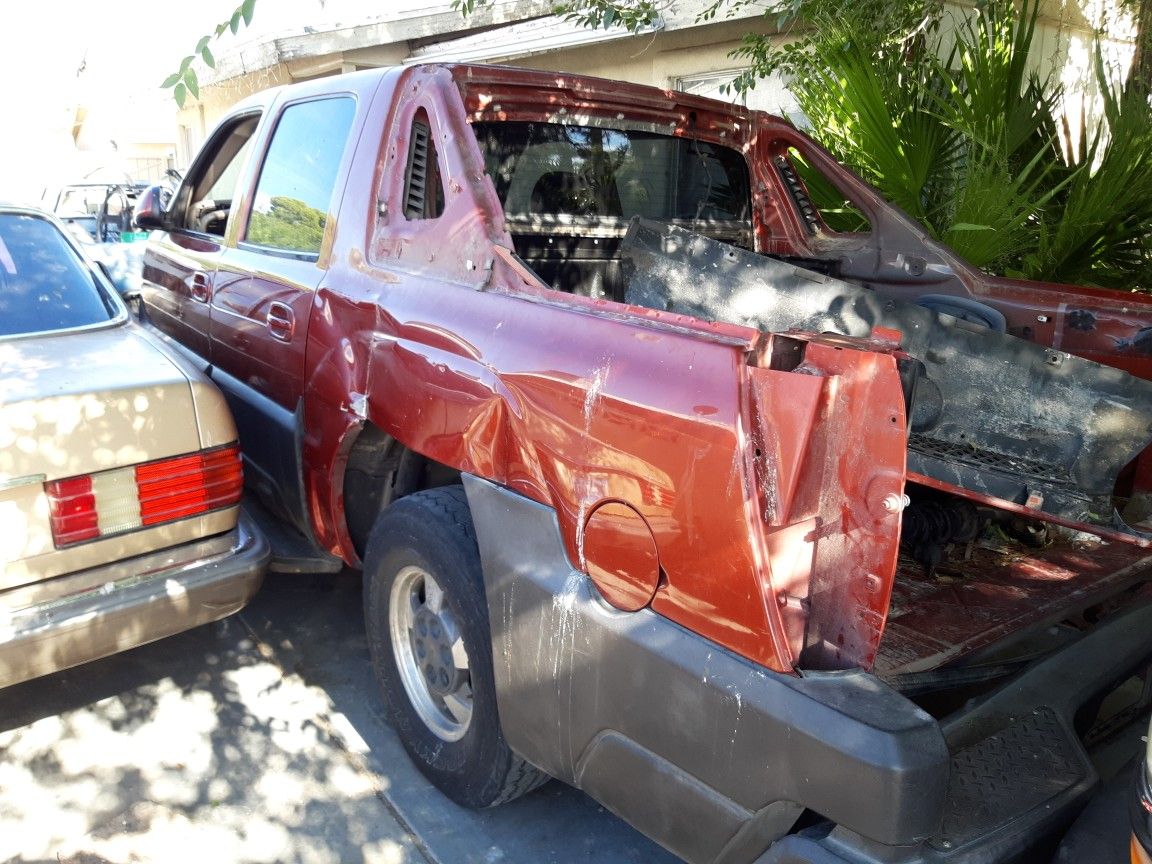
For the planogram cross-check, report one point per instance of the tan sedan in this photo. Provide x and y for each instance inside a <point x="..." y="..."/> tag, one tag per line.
<point x="120" y="476"/>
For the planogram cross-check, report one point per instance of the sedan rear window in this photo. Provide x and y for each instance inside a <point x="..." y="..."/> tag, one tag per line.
<point x="43" y="284"/>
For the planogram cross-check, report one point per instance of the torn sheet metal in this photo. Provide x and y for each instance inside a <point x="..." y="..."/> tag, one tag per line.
<point x="991" y="416"/>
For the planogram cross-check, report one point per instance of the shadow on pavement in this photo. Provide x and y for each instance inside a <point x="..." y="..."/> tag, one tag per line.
<point x="193" y="748"/>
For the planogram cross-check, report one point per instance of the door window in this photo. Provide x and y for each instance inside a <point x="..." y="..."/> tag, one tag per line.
<point x="298" y="177"/>
<point x="205" y="201"/>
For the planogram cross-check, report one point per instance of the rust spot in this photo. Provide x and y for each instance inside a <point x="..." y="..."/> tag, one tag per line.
<point x="1080" y="319"/>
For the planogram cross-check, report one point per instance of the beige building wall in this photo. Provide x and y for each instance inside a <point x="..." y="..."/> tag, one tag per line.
<point x="699" y="60"/>
<point x="658" y="59"/>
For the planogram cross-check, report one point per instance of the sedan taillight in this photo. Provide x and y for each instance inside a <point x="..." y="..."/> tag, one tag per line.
<point x="124" y="499"/>
<point x="74" y="517"/>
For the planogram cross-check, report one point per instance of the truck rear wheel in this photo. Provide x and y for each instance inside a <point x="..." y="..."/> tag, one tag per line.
<point x="428" y="634"/>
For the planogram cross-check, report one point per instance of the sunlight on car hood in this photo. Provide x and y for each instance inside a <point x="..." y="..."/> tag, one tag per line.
<point x="82" y="402"/>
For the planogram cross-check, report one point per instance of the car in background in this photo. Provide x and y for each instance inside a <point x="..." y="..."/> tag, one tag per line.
<point x="120" y="475"/>
<point x="101" y="211"/>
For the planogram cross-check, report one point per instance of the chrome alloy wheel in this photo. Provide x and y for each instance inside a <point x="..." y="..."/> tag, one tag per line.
<point x="430" y="654"/>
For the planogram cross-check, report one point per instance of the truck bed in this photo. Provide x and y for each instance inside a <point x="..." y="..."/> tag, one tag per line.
<point x="1002" y="589"/>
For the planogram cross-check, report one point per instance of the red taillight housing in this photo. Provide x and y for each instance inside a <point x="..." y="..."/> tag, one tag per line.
<point x="73" y="508"/>
<point x="177" y="488"/>
<point x="152" y="493"/>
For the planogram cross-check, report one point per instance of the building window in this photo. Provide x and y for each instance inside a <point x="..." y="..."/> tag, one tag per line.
<point x="770" y="94"/>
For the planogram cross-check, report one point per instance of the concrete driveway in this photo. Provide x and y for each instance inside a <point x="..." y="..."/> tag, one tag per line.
<point x="257" y="739"/>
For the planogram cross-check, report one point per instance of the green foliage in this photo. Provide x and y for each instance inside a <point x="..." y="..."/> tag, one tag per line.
<point x="967" y="140"/>
<point x="1101" y="233"/>
<point x="992" y="99"/>
<point x="288" y="224"/>
<point x="881" y="28"/>
<point x="867" y="101"/>
<point x="631" y="15"/>
<point x="963" y="145"/>
<point x="184" y="81"/>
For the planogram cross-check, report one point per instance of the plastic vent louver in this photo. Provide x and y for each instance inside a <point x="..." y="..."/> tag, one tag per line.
<point x="416" y="189"/>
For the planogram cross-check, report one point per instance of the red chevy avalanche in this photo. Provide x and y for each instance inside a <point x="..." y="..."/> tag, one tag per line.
<point x="785" y="544"/>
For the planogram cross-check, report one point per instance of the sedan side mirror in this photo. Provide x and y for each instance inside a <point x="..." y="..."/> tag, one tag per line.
<point x="150" y="207"/>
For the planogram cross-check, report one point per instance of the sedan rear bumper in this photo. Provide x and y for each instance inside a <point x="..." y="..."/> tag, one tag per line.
<point x="104" y="610"/>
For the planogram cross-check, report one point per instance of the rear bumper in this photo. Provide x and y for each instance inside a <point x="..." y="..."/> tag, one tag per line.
<point x="104" y="610"/>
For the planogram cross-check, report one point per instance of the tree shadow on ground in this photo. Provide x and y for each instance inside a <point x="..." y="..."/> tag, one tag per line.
<point x="315" y="626"/>
<point x="196" y="745"/>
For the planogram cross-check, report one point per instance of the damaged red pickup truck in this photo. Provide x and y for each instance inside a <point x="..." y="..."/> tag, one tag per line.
<point x="661" y="486"/>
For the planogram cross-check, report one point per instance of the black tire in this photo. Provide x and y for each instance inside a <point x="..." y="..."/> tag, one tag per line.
<point x="430" y="534"/>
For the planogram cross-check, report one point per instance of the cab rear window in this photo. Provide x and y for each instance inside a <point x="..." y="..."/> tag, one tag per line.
<point x="43" y="284"/>
<point x="549" y="170"/>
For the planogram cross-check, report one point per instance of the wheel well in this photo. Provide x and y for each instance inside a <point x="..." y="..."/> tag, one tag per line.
<point x="379" y="471"/>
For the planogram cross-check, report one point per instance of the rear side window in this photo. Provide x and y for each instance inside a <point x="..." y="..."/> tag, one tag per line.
<point x="821" y="205"/>
<point x="43" y="284"/>
<point x="298" y="177"/>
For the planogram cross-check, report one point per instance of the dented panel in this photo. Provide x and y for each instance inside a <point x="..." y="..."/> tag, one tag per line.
<point x="768" y="470"/>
